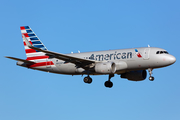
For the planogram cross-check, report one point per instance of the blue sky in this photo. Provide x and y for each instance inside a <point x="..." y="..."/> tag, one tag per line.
<point x="89" y="25"/>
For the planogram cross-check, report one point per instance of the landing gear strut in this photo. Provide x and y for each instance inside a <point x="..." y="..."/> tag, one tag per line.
<point x="151" y="78"/>
<point x="108" y="83"/>
<point x="88" y="79"/>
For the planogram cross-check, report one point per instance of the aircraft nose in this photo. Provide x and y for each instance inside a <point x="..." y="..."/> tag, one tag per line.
<point x="172" y="59"/>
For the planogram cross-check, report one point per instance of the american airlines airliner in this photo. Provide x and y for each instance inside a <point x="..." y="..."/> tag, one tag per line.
<point x="130" y="63"/>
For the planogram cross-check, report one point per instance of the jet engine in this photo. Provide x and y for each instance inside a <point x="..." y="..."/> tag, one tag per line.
<point x="105" y="68"/>
<point x="135" y="75"/>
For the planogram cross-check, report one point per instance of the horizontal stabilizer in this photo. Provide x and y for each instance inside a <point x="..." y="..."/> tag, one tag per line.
<point x="22" y="60"/>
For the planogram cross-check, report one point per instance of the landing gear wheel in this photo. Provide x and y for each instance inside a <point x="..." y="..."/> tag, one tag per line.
<point x="108" y="84"/>
<point x="88" y="80"/>
<point x="151" y="78"/>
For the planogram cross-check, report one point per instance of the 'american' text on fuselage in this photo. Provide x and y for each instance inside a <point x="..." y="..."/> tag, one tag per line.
<point x="112" y="56"/>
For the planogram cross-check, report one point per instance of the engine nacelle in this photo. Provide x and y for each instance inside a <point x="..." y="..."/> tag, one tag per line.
<point x="135" y="75"/>
<point x="105" y="68"/>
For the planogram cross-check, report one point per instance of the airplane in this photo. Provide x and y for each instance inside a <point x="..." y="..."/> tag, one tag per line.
<point x="130" y="63"/>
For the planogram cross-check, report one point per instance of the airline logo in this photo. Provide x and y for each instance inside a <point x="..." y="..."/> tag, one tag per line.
<point x="111" y="56"/>
<point x="40" y="58"/>
<point x="138" y="54"/>
<point x="35" y="41"/>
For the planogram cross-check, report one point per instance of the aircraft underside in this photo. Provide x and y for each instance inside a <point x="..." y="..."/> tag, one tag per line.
<point x="133" y="75"/>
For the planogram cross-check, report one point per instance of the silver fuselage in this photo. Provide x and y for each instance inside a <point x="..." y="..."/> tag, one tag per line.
<point x="125" y="59"/>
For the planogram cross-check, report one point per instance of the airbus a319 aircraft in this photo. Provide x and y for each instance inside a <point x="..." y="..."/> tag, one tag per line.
<point x="130" y="63"/>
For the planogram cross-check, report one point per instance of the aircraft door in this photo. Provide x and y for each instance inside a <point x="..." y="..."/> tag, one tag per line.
<point x="146" y="53"/>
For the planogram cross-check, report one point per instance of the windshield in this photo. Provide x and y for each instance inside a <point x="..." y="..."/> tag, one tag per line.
<point x="162" y="52"/>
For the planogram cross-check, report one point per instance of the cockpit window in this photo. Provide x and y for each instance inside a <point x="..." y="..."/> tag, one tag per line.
<point x="157" y="52"/>
<point x="162" y="52"/>
<point x="166" y="52"/>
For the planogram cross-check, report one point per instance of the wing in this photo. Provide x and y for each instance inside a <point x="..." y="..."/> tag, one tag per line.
<point x="84" y="63"/>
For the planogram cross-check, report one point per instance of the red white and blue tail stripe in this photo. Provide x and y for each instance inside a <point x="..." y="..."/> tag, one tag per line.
<point x="34" y="55"/>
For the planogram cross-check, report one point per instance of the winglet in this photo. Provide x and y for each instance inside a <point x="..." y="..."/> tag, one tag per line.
<point x="26" y="41"/>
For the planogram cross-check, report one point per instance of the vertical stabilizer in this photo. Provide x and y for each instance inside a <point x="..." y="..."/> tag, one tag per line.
<point x="27" y="33"/>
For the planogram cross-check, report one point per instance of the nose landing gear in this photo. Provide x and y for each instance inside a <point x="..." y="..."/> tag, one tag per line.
<point x="151" y="78"/>
<point x="108" y="83"/>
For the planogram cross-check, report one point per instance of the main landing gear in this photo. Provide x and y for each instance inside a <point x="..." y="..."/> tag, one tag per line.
<point x="88" y="80"/>
<point x="151" y="78"/>
<point x="108" y="83"/>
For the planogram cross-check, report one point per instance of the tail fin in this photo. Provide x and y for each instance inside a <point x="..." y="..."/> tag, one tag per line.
<point x="35" y="41"/>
